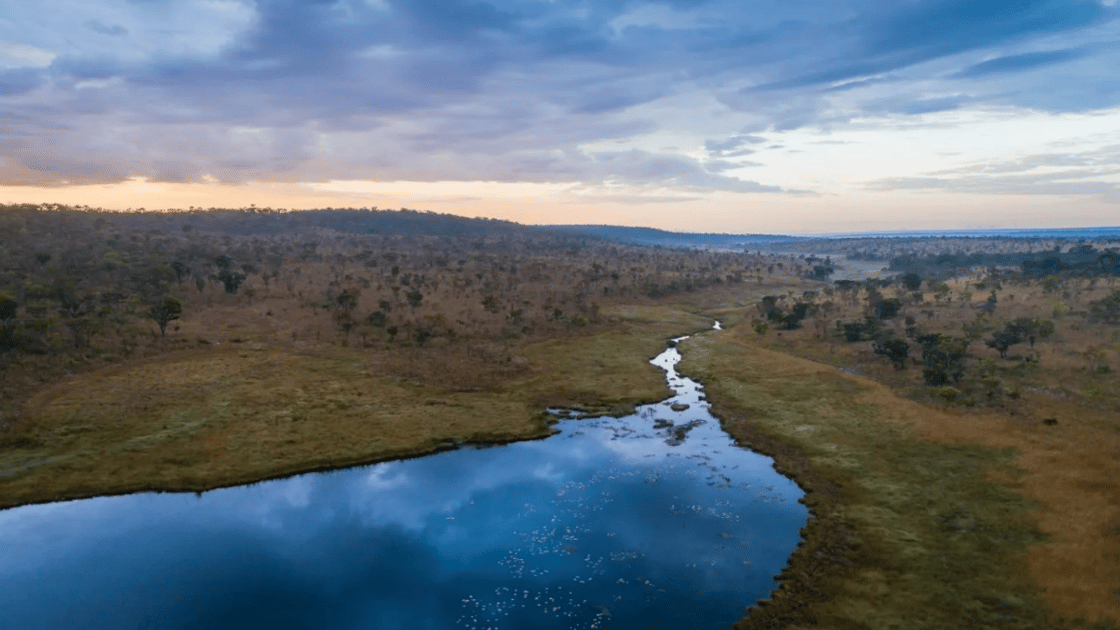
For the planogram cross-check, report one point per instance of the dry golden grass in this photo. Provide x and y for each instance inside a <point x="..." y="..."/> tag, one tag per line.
<point x="910" y="533"/>
<point x="1062" y="476"/>
<point x="1062" y="366"/>
<point x="926" y="518"/>
<point x="204" y="419"/>
<point x="225" y="415"/>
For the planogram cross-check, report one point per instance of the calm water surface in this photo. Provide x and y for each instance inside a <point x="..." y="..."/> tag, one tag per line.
<point x="655" y="520"/>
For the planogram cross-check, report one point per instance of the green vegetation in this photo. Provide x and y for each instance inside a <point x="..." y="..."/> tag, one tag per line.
<point x="193" y="350"/>
<point x="209" y="418"/>
<point x="910" y="532"/>
<point x="82" y="290"/>
<point x="1016" y="369"/>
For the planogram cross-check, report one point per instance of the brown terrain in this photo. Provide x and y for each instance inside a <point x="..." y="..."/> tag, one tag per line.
<point x="960" y="483"/>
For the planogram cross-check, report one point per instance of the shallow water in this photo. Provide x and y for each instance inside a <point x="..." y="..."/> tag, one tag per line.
<point x="655" y="520"/>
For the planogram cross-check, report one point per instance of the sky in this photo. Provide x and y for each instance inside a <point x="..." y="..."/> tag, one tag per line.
<point x="744" y="116"/>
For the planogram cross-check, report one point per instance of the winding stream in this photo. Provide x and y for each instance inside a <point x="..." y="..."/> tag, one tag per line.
<point x="655" y="520"/>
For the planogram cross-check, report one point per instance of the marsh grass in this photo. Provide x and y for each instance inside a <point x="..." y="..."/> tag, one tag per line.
<point x="1057" y="407"/>
<point x="222" y="416"/>
<point x="923" y="518"/>
<point x="917" y="524"/>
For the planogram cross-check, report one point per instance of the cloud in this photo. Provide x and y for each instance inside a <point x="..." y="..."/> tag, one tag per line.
<point x="666" y="171"/>
<point x="583" y="198"/>
<point x="96" y="26"/>
<point x="733" y="146"/>
<point x="19" y="81"/>
<point x="925" y="29"/>
<point x="914" y="106"/>
<point x="1018" y="63"/>
<point x="17" y="55"/>
<point x="1000" y="186"/>
<point x="506" y="90"/>
<point x="863" y="83"/>
<point x="1084" y="173"/>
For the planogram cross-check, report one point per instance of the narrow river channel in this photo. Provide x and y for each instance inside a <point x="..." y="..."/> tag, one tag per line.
<point x="655" y="520"/>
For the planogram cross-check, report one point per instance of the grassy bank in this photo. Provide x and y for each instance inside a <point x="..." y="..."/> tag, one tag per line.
<point x="203" y="419"/>
<point x="924" y="519"/>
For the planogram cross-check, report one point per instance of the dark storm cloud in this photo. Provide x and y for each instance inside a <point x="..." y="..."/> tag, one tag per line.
<point x="507" y="90"/>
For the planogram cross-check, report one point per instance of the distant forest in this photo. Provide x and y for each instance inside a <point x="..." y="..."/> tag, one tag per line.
<point x="81" y="286"/>
<point x="662" y="238"/>
<point x="1078" y="260"/>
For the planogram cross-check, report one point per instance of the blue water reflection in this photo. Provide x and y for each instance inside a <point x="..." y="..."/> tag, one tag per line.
<point x="651" y="521"/>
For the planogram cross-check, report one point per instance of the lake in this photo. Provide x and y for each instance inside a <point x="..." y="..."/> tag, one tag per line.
<point x="655" y="520"/>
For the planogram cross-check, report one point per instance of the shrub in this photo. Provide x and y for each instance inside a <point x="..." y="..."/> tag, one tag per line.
<point x="948" y="393"/>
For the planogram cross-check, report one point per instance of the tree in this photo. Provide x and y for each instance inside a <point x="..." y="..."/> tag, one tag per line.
<point x="821" y="272"/>
<point x="768" y="303"/>
<point x="887" y="309"/>
<point x="791" y="320"/>
<point x="859" y="331"/>
<point x="154" y="279"/>
<point x="345" y="303"/>
<point x="77" y="314"/>
<point x="1002" y="340"/>
<point x="1106" y="309"/>
<point x="1031" y="329"/>
<point x="344" y="320"/>
<point x="1045" y="331"/>
<point x="8" y="307"/>
<point x="990" y="304"/>
<point x="940" y="290"/>
<point x="164" y="311"/>
<point x="347" y="300"/>
<point x="895" y="349"/>
<point x="943" y="358"/>
<point x="377" y="319"/>
<point x="231" y="280"/>
<point x="912" y="281"/>
<point x="854" y="331"/>
<point x="760" y="326"/>
<point x="181" y="271"/>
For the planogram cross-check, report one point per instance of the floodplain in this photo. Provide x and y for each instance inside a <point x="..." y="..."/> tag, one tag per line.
<point x="980" y="498"/>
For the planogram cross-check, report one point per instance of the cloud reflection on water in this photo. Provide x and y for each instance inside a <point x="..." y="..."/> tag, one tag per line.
<point x="543" y="534"/>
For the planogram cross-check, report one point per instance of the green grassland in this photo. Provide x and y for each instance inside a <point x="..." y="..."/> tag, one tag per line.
<point x="917" y="523"/>
<point x="913" y="527"/>
<point x="197" y="420"/>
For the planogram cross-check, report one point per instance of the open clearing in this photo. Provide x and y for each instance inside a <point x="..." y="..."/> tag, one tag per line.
<point x="924" y="517"/>
<point x="198" y="420"/>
